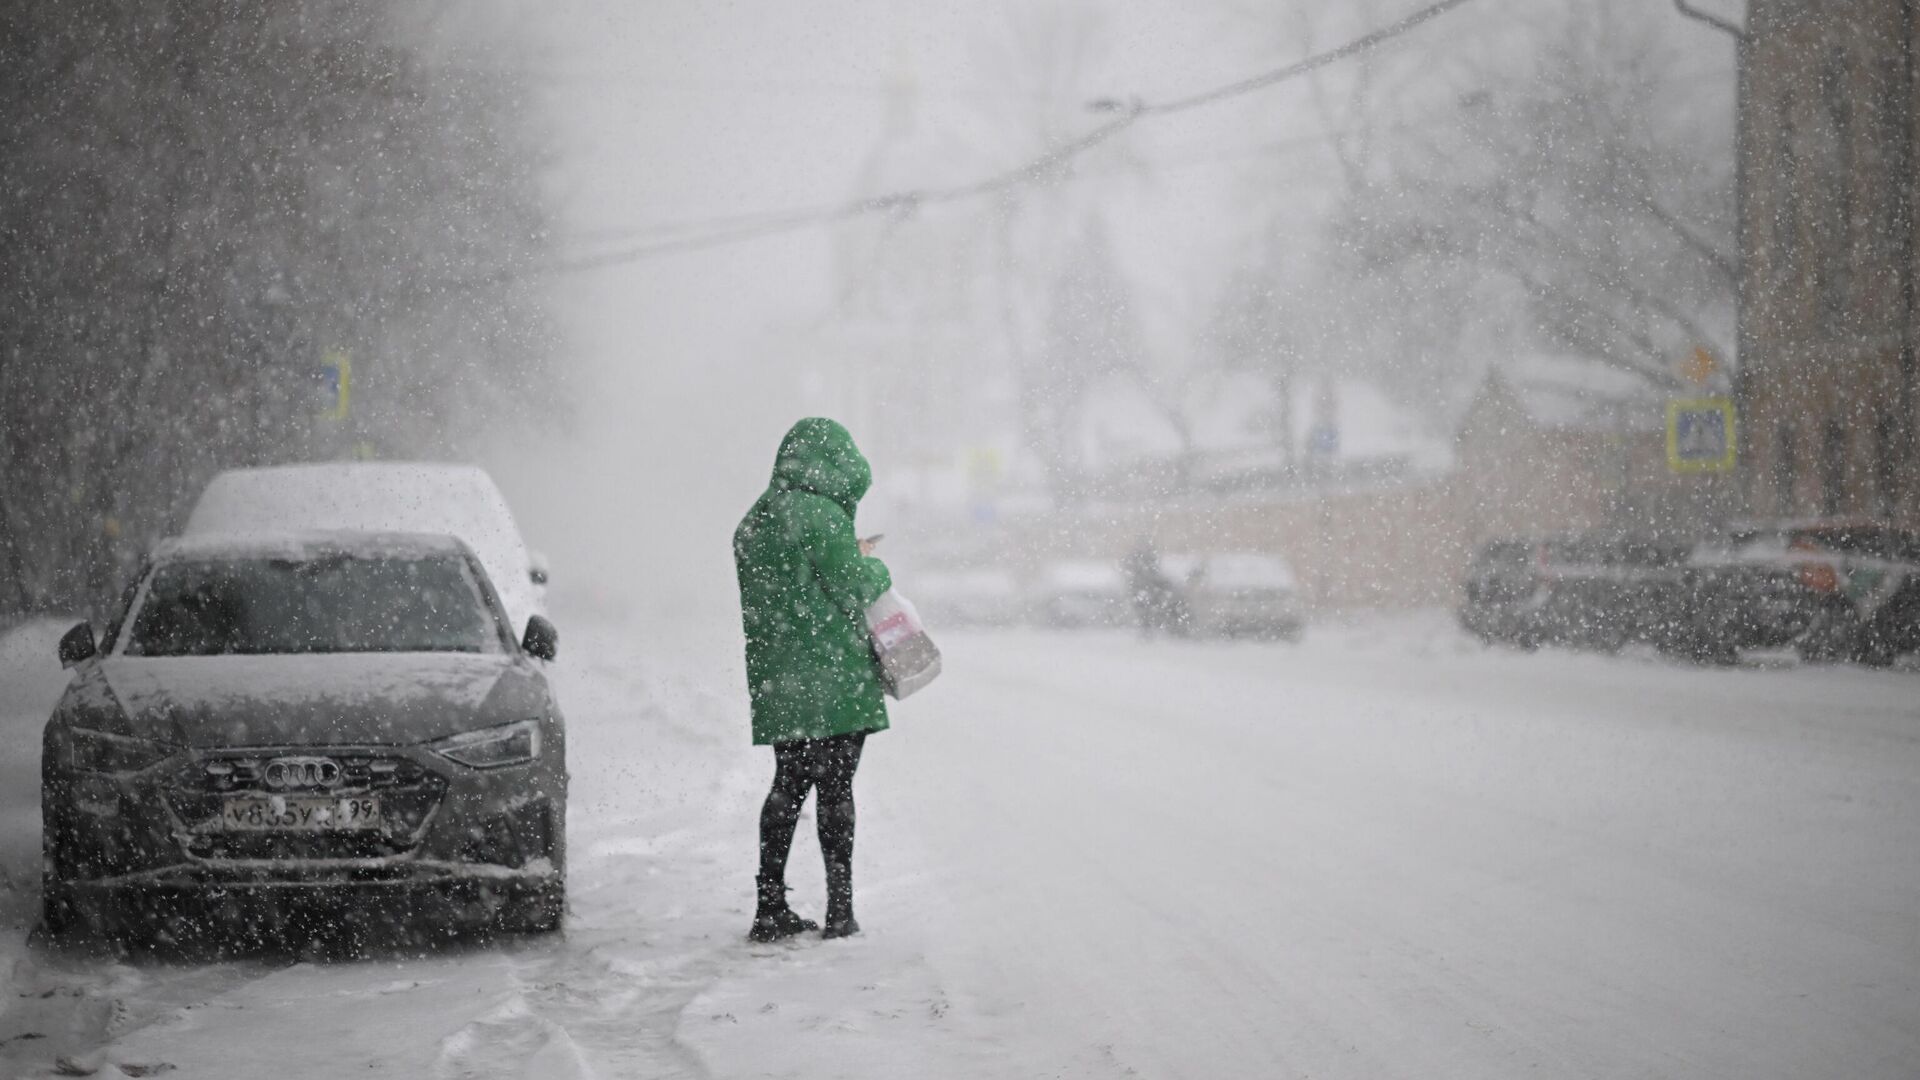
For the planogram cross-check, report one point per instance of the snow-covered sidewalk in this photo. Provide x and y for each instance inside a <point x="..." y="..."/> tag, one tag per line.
<point x="1385" y="852"/>
<point x="653" y="977"/>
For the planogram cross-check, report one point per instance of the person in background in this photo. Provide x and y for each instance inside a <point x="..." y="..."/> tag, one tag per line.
<point x="1156" y="599"/>
<point x="805" y="585"/>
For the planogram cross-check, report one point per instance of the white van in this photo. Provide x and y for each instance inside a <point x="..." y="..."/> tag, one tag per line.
<point x="1074" y="593"/>
<point x="1237" y="593"/>
<point x="412" y="497"/>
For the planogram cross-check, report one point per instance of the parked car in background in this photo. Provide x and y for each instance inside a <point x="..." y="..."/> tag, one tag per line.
<point x="1237" y="594"/>
<point x="1082" y="593"/>
<point x="1595" y="590"/>
<point x="1501" y="587"/>
<point x="1834" y="590"/>
<point x="979" y="597"/>
<point x="1749" y="588"/>
<point x="459" y="500"/>
<point x="336" y="719"/>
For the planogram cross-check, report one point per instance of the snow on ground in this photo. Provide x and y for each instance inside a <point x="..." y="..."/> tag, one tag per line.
<point x="1384" y="852"/>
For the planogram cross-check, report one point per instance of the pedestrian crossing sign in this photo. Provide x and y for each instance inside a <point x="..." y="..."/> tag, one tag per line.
<point x="1700" y="435"/>
<point x="333" y="383"/>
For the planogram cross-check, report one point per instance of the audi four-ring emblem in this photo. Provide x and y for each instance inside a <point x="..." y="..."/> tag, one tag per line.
<point x="295" y="773"/>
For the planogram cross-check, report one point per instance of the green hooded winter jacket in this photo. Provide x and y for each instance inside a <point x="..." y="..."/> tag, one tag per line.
<point x="804" y="592"/>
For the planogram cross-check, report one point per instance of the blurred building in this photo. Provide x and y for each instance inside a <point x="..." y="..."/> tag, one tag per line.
<point x="1827" y="379"/>
<point x="1551" y="444"/>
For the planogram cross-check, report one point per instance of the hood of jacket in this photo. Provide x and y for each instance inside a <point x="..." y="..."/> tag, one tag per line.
<point x="818" y="455"/>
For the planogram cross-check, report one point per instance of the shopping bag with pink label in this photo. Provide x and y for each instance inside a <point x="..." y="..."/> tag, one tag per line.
<point x="905" y="656"/>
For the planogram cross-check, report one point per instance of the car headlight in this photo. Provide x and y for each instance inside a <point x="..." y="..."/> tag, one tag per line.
<point x="491" y="748"/>
<point x="104" y="752"/>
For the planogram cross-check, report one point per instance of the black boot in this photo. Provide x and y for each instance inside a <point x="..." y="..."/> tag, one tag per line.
<point x="772" y="918"/>
<point x="840" y="921"/>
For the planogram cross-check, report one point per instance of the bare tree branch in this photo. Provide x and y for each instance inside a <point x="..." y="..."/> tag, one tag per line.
<point x="1725" y="26"/>
<point x="1653" y="369"/>
<point x="1611" y="278"/>
<point x="1718" y="259"/>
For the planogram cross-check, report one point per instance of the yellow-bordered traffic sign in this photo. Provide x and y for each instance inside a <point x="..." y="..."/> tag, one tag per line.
<point x="335" y="379"/>
<point x="1700" y="435"/>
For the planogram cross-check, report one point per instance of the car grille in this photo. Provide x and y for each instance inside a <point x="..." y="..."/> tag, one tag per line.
<point x="407" y="790"/>
<point x="359" y="772"/>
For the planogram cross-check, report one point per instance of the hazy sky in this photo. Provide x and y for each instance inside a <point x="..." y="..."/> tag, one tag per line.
<point x="672" y="111"/>
<point x="678" y="111"/>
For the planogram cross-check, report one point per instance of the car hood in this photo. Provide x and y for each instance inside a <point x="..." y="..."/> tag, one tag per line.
<point x="317" y="700"/>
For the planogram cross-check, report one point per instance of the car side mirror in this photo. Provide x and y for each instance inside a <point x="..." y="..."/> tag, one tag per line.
<point x="542" y="640"/>
<point x="77" y="645"/>
<point x="537" y="571"/>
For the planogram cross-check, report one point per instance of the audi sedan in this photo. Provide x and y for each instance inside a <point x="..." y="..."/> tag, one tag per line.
<point x="338" y="725"/>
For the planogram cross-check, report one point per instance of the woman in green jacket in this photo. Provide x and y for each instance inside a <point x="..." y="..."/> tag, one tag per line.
<point x="805" y="584"/>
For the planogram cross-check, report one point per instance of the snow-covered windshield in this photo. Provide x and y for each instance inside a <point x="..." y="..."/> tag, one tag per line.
<point x="331" y="603"/>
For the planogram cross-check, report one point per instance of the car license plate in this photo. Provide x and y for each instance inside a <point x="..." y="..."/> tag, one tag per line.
<point x="301" y="813"/>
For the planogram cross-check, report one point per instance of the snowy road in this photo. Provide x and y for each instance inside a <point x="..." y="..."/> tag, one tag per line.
<point x="1386" y="852"/>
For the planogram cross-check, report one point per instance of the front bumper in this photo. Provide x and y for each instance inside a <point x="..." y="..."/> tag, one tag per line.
<point x="1748" y="607"/>
<point x="271" y="910"/>
<point x="390" y="874"/>
<point x="161" y="829"/>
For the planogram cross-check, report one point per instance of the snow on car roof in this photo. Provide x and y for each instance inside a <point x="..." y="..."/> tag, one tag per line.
<point x="1084" y="574"/>
<point x="436" y="471"/>
<point x="375" y="496"/>
<point x="308" y="544"/>
<point x="1181" y="565"/>
<point x="1229" y="569"/>
<point x="1249" y="570"/>
<point x="978" y="581"/>
<point x="372" y="495"/>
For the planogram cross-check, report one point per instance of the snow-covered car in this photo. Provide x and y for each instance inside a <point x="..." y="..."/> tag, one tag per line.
<point x="1237" y="593"/>
<point x="984" y="596"/>
<point x="1598" y="590"/>
<point x="1832" y="589"/>
<point x="1082" y="592"/>
<point x="339" y="718"/>
<point x="412" y="497"/>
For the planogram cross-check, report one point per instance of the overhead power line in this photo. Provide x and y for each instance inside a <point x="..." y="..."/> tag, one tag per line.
<point x="1039" y="169"/>
<point x="1178" y="157"/>
<point x="1364" y="43"/>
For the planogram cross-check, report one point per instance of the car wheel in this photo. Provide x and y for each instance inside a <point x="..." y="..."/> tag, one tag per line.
<point x="1831" y="637"/>
<point x="59" y="909"/>
<point x="1718" y="656"/>
<point x="538" y="910"/>
<point x="1697" y="648"/>
<point x="1608" y="641"/>
<point x="1874" y="656"/>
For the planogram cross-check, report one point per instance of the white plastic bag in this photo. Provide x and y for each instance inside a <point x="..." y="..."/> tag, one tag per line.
<point x="906" y="657"/>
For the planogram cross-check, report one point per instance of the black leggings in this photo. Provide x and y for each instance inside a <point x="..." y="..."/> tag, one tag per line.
<point x="804" y="764"/>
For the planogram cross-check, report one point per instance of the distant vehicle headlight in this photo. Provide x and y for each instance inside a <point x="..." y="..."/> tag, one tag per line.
<point x="494" y="747"/>
<point x="104" y="752"/>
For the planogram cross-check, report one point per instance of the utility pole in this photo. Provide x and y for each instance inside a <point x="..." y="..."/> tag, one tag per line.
<point x="1903" y="488"/>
